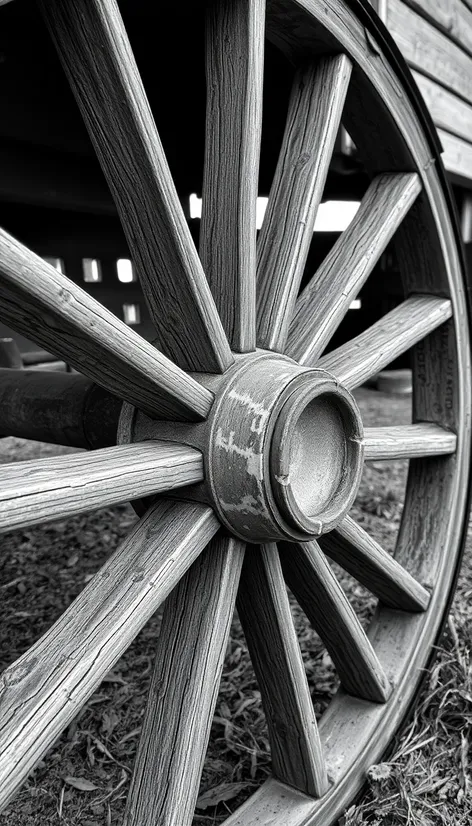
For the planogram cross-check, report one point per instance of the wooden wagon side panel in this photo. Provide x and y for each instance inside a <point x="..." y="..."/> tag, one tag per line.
<point x="436" y="41"/>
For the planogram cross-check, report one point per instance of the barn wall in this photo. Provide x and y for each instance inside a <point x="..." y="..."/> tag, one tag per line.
<point x="435" y="38"/>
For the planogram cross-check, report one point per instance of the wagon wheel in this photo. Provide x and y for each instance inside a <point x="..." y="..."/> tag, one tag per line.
<point x="267" y="443"/>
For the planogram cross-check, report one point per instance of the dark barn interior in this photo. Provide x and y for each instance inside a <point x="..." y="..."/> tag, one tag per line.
<point x="54" y="198"/>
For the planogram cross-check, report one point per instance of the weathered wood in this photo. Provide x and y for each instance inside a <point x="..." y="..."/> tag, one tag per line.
<point x="327" y="297"/>
<point x="62" y="408"/>
<point x="451" y="16"/>
<point x="457" y="157"/>
<point x="353" y="733"/>
<point x="264" y="611"/>
<point x="367" y="354"/>
<point x="430" y="494"/>
<point x="313" y="583"/>
<point x="72" y="658"/>
<point x="447" y="110"/>
<point x="184" y="688"/>
<point x="351" y="547"/>
<point x="313" y="120"/>
<point x="408" y="441"/>
<point x="41" y="490"/>
<point x="235" y="58"/>
<point x="275" y="804"/>
<point x="428" y="50"/>
<point x="45" y="305"/>
<point x="96" y="54"/>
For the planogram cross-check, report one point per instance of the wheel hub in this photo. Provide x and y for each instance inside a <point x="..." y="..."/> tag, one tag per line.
<point x="285" y="451"/>
<point x="282" y="445"/>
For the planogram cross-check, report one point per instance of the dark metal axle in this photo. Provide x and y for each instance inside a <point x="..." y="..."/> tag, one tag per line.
<point x="61" y="408"/>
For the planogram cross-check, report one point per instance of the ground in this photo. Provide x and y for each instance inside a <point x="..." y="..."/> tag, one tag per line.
<point x="83" y="780"/>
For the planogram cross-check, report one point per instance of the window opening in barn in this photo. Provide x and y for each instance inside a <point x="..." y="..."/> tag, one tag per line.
<point x="131" y="314"/>
<point x="57" y="263"/>
<point x="195" y="206"/>
<point x="125" y="271"/>
<point x="92" y="270"/>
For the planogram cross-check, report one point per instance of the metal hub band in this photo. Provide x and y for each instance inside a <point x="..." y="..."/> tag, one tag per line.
<point x="282" y="446"/>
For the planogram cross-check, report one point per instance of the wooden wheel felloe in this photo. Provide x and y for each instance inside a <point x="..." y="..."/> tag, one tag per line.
<point x="259" y="450"/>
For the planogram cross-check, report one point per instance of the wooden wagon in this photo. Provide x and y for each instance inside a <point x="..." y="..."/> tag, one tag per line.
<point x="231" y="424"/>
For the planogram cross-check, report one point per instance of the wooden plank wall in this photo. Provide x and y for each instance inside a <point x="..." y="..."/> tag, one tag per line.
<point x="435" y="37"/>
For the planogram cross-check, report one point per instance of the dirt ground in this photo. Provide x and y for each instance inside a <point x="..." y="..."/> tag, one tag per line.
<point x="84" y="778"/>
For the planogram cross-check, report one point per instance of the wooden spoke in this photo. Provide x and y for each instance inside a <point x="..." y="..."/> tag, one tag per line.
<point x="351" y="547"/>
<point x="72" y="658"/>
<point x="326" y="299"/>
<point x="313" y="121"/>
<point x="235" y="55"/>
<point x="362" y="357"/>
<point x="45" y="305"/>
<point x="97" y="57"/>
<point x="316" y="588"/>
<point x="264" y="610"/>
<point x="184" y="689"/>
<point x="410" y="441"/>
<point x="55" y="487"/>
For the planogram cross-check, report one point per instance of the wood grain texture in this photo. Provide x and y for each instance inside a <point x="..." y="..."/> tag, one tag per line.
<point x="428" y="486"/>
<point x="55" y="487"/>
<point x="354" y="735"/>
<point x="428" y="50"/>
<point x="314" y="585"/>
<point x="43" y="691"/>
<point x="453" y="17"/>
<point x="275" y="804"/>
<point x="184" y="689"/>
<point x="96" y="54"/>
<point x="326" y="299"/>
<point x="351" y="547"/>
<point x="48" y="307"/>
<point x="364" y="356"/>
<point x="313" y="120"/>
<point x="457" y="157"/>
<point x="267" y="622"/>
<point x="234" y="63"/>
<point x="429" y="495"/>
<point x="447" y="110"/>
<point x="408" y="441"/>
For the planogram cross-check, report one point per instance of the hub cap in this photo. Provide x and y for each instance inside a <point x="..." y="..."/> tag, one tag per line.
<point x="282" y="445"/>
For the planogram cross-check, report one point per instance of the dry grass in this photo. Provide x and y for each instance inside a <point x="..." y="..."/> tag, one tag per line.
<point x="427" y="778"/>
<point x="84" y="778"/>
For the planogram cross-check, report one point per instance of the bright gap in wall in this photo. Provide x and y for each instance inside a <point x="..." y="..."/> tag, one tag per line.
<point x="332" y="216"/>
<point x="131" y="314"/>
<point x="92" y="270"/>
<point x="57" y="263"/>
<point x="125" y="271"/>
